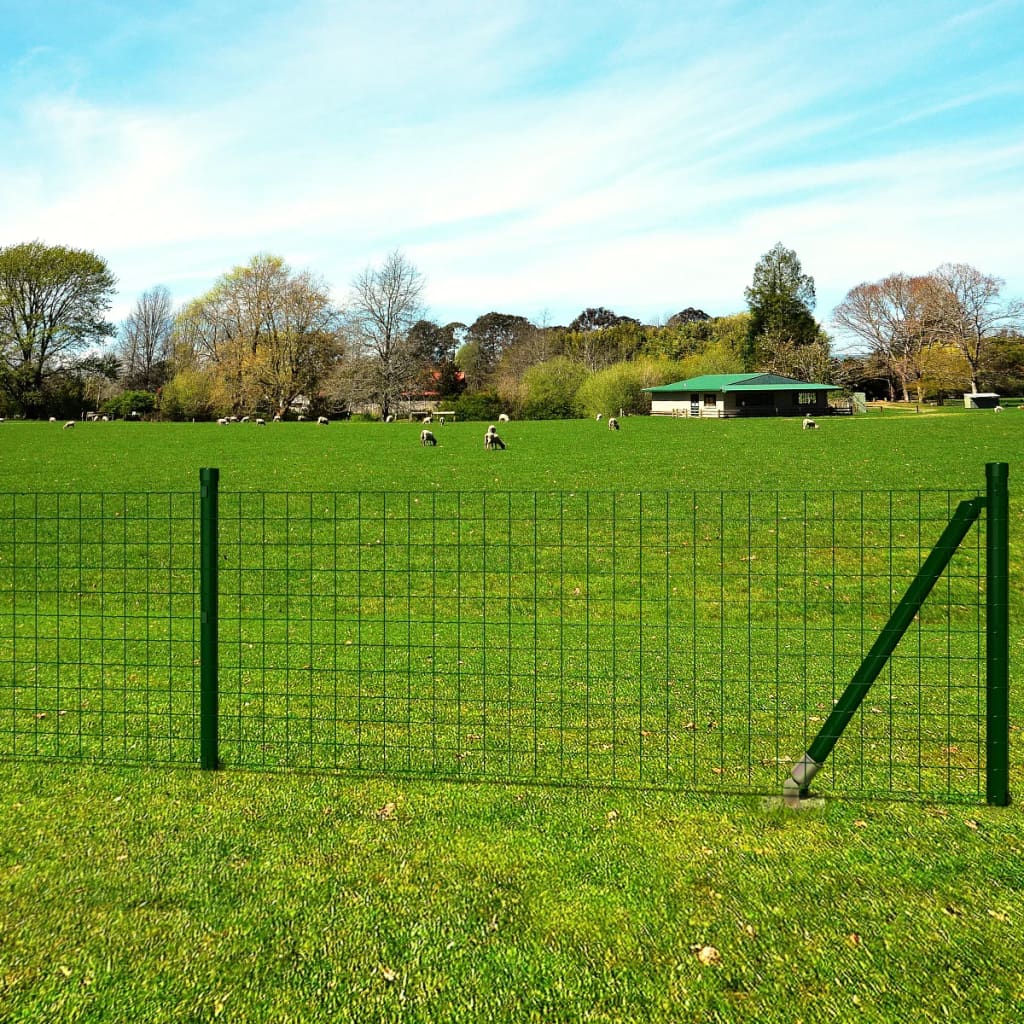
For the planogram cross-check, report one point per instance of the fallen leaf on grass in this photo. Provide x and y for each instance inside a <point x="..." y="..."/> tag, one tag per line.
<point x="853" y="939"/>
<point x="860" y="823"/>
<point x="389" y="975"/>
<point x="613" y="816"/>
<point x="707" y="955"/>
<point x="972" y="824"/>
<point x="998" y="915"/>
<point x="387" y="812"/>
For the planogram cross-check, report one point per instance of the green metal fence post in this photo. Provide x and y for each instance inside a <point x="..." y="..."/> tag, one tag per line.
<point x="208" y="557"/>
<point x="997" y="635"/>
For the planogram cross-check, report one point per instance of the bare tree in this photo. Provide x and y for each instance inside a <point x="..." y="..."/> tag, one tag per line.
<point x="966" y="311"/>
<point x="384" y="305"/>
<point x="893" y="317"/>
<point x="145" y="348"/>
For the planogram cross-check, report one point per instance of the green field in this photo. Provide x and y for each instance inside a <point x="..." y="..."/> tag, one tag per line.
<point x="271" y="896"/>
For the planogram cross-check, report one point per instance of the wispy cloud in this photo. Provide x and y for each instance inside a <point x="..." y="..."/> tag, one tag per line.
<point x="528" y="157"/>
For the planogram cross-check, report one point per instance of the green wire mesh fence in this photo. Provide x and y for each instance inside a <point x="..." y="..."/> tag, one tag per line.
<point x="693" y="640"/>
<point x="98" y="633"/>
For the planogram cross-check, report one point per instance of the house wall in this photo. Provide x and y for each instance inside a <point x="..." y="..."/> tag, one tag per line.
<point x="738" y="403"/>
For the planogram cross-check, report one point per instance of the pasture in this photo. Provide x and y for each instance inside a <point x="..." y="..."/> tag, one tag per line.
<point x="248" y="896"/>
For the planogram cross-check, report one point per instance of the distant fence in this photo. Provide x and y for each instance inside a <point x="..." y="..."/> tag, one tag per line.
<point x="696" y="640"/>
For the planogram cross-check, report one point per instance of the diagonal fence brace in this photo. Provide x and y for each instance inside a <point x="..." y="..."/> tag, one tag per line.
<point x="903" y="614"/>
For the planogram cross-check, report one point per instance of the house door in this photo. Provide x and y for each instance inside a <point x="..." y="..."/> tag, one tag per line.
<point x="695" y="405"/>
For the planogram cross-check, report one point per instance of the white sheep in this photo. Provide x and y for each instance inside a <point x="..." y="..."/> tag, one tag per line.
<point x="106" y="419"/>
<point x="613" y="423"/>
<point x="53" y="419"/>
<point x="69" y="425"/>
<point x="389" y="419"/>
<point x="503" y="418"/>
<point x="300" y="419"/>
<point x="440" y="421"/>
<point x="245" y="419"/>
<point x="260" y="422"/>
<point x="809" y="423"/>
<point x="277" y="417"/>
<point x="427" y="437"/>
<point x="427" y="420"/>
<point x="491" y="440"/>
<point x="222" y="422"/>
<point x="323" y="421"/>
<point x="492" y="429"/>
<point x="599" y="417"/>
<point x="998" y="408"/>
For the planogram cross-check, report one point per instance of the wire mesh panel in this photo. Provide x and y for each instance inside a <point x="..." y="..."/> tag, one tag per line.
<point x="97" y="626"/>
<point x="685" y="639"/>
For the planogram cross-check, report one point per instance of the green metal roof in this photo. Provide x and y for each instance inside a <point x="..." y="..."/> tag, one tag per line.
<point x="740" y="382"/>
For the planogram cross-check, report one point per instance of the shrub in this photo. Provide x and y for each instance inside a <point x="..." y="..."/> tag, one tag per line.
<point x="480" y="405"/>
<point x="550" y="389"/>
<point x="622" y="386"/>
<point x="186" y="397"/>
<point x="123" y="405"/>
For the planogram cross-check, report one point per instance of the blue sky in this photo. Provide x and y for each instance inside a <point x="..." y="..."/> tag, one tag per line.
<point x="529" y="156"/>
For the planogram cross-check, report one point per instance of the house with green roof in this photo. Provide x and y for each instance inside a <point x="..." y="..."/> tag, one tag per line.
<point x="725" y="395"/>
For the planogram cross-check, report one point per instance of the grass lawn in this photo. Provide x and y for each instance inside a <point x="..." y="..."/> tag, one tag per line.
<point x="152" y="894"/>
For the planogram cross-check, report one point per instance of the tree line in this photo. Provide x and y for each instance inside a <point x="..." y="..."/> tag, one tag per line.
<point x="268" y="339"/>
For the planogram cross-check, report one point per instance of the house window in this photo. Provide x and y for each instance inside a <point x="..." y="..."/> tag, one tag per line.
<point x="710" y="399"/>
<point x="806" y="398"/>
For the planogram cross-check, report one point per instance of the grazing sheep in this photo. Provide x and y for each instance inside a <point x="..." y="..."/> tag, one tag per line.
<point x="222" y="422"/>
<point x="492" y="429"/>
<point x="809" y="423"/>
<point x="69" y="425"/>
<point x="491" y="440"/>
<point x="106" y="419"/>
<point x="300" y="419"/>
<point x="503" y="418"/>
<point x="245" y="419"/>
<point x="440" y="421"/>
<point x="427" y="437"/>
<point x="427" y="420"/>
<point x="599" y="417"/>
<point x="613" y="423"/>
<point x="260" y="422"/>
<point x="323" y="421"/>
<point x="998" y="408"/>
<point x="277" y="417"/>
<point x="232" y="419"/>
<point x="53" y="419"/>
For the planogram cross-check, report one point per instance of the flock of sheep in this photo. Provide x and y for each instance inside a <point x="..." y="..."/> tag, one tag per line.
<point x="492" y="439"/>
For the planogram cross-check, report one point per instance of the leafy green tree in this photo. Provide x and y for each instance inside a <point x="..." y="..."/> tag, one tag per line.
<point x="490" y="335"/>
<point x="52" y="305"/>
<point x="687" y="316"/>
<point x="550" y="389"/>
<point x="599" y="347"/>
<point x="596" y="319"/>
<point x="781" y="299"/>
